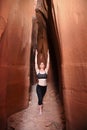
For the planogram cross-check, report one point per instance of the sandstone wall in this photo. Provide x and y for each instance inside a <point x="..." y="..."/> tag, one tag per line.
<point x="71" y="19"/>
<point x="15" y="44"/>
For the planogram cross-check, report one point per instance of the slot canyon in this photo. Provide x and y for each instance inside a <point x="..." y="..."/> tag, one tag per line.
<point x="60" y="27"/>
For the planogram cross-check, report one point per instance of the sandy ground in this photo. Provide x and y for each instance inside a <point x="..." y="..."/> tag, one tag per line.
<point x="29" y="119"/>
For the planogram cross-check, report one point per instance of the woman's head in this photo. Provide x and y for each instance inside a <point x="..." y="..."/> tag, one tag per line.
<point x="42" y="65"/>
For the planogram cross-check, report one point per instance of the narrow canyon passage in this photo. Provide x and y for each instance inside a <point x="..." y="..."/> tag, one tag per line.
<point x="57" y="25"/>
<point x="29" y="119"/>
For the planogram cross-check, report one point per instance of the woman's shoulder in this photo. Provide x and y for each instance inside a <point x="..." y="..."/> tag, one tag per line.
<point x="46" y="71"/>
<point x="37" y="71"/>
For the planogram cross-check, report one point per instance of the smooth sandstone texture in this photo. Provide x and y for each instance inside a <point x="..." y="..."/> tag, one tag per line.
<point x="15" y="44"/>
<point x="71" y="20"/>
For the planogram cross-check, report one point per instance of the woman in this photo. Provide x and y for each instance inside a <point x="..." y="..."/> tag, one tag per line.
<point x="41" y="87"/>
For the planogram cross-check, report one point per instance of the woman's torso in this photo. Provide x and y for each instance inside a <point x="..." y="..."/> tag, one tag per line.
<point x="42" y="78"/>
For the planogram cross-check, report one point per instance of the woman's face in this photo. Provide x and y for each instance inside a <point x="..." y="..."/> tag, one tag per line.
<point x="42" y="65"/>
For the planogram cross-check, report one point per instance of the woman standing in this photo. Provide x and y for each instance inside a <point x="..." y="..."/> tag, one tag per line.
<point x="42" y="73"/>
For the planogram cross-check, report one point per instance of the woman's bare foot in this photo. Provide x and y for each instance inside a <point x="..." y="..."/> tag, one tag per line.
<point x="41" y="109"/>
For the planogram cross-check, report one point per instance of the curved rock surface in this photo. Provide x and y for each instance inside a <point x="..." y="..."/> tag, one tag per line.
<point x="15" y="43"/>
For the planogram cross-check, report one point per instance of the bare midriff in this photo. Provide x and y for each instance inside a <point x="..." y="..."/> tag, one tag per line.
<point x="42" y="82"/>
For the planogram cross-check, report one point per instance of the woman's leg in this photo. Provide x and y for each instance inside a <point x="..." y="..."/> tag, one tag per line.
<point x="44" y="89"/>
<point x="39" y="94"/>
<point x="41" y="90"/>
<point x="40" y="97"/>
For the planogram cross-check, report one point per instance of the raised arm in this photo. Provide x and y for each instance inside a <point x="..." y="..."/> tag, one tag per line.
<point x="36" y="65"/>
<point x="48" y="60"/>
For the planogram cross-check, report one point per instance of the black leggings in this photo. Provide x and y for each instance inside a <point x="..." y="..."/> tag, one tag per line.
<point x="41" y="90"/>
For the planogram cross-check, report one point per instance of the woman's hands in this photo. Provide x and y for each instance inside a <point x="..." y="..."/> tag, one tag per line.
<point x="36" y="65"/>
<point x="47" y="66"/>
<point x="48" y="52"/>
<point x="36" y="52"/>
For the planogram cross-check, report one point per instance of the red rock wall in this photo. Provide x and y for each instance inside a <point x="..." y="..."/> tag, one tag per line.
<point x="71" y="16"/>
<point x="15" y="44"/>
